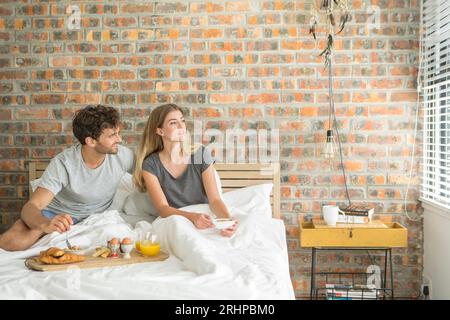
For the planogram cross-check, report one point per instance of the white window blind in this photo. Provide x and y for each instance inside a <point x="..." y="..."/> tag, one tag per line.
<point x="436" y="97"/>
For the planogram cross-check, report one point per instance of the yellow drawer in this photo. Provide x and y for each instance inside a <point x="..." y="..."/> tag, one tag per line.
<point x="393" y="236"/>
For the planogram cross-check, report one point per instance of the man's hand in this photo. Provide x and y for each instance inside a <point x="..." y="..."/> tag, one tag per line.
<point x="201" y="221"/>
<point x="228" y="232"/>
<point x="60" y="223"/>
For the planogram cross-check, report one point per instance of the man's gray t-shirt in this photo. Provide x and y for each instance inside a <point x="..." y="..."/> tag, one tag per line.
<point x="81" y="191"/>
<point x="188" y="188"/>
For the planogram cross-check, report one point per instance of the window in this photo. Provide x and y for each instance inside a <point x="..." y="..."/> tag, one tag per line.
<point x="436" y="97"/>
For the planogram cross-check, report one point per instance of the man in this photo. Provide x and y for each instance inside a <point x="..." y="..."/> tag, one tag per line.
<point x="78" y="182"/>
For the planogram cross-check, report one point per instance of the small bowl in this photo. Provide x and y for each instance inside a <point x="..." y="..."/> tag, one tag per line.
<point x="81" y="251"/>
<point x="223" y="223"/>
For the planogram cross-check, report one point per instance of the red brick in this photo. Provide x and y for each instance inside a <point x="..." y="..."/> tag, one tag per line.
<point x="119" y="48"/>
<point x="216" y="98"/>
<point x="206" y="7"/>
<point x="67" y="86"/>
<point x="14" y="100"/>
<point x="263" y="71"/>
<point x="207" y="112"/>
<point x="235" y="19"/>
<point x="245" y="112"/>
<point x="137" y="8"/>
<point x="31" y="113"/>
<point x="386" y="110"/>
<point x="64" y="61"/>
<point x="84" y="74"/>
<point x="13" y="75"/>
<point x="137" y="34"/>
<point x="206" y="33"/>
<point x="119" y="99"/>
<point x="386" y="84"/>
<point x="135" y="61"/>
<point x="410" y="96"/>
<point x="99" y="8"/>
<point x="206" y="85"/>
<point x="369" y="97"/>
<point x="14" y="153"/>
<point x="48" y="98"/>
<point x="48" y="23"/>
<point x="263" y="98"/>
<point x="137" y="85"/>
<point x="403" y="71"/>
<point x="237" y="6"/>
<point x="82" y="48"/>
<point x="404" y="45"/>
<point x="32" y="10"/>
<point x="154" y="73"/>
<point x="85" y="98"/>
<point x="5" y="114"/>
<point x="45" y="153"/>
<point x="119" y="75"/>
<point x="45" y="127"/>
<point x="120" y="22"/>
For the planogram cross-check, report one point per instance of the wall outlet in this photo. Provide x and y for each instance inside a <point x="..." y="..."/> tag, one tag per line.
<point x="425" y="288"/>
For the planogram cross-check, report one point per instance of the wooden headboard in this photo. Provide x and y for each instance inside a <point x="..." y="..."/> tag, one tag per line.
<point x="232" y="176"/>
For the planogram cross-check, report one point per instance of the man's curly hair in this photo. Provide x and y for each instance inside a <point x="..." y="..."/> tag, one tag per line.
<point x="92" y="120"/>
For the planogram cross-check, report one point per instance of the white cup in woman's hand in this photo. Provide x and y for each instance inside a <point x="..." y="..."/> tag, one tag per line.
<point x="223" y="223"/>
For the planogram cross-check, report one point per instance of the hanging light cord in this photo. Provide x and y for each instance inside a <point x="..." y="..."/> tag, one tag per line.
<point x="416" y="118"/>
<point x="330" y="91"/>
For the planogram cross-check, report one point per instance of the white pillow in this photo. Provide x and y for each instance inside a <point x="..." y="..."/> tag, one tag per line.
<point x="134" y="219"/>
<point x="138" y="203"/>
<point x="124" y="189"/>
<point x="249" y="199"/>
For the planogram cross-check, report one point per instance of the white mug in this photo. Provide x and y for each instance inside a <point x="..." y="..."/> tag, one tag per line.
<point x="330" y="214"/>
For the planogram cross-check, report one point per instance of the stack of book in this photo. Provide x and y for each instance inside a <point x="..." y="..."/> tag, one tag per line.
<point x="356" y="213"/>
<point x="349" y="292"/>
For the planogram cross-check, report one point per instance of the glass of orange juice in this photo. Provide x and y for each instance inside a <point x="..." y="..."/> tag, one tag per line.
<point x="149" y="246"/>
<point x="138" y="245"/>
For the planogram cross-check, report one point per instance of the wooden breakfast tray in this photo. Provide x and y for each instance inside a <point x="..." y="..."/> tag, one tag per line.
<point x="95" y="262"/>
<point x="375" y="234"/>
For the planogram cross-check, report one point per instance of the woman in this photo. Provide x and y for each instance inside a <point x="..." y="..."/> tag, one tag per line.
<point x="173" y="177"/>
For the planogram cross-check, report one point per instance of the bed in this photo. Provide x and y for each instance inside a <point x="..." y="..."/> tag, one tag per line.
<point x="202" y="264"/>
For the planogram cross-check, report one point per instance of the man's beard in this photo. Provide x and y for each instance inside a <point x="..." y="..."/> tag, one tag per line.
<point x="105" y="150"/>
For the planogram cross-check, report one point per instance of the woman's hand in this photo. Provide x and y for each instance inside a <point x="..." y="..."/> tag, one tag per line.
<point x="201" y="221"/>
<point x="229" y="231"/>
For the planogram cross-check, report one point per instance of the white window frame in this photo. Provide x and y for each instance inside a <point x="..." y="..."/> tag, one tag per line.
<point x="435" y="69"/>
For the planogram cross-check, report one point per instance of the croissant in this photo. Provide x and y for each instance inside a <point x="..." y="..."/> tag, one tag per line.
<point x="54" y="252"/>
<point x="57" y="256"/>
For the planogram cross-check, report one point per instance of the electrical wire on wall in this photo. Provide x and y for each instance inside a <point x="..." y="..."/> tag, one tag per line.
<point x="419" y="89"/>
<point x="333" y="112"/>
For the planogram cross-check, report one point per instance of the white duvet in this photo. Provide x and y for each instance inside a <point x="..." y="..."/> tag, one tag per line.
<point x="202" y="264"/>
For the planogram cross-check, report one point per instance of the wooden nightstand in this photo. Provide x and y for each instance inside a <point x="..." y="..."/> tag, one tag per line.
<point x="345" y="237"/>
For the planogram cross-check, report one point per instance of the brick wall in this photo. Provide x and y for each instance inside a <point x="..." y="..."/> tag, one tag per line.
<point x="229" y="63"/>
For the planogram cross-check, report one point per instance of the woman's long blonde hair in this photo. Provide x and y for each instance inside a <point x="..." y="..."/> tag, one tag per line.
<point x="150" y="141"/>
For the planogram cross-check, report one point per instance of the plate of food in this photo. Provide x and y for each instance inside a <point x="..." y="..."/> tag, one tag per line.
<point x="223" y="223"/>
